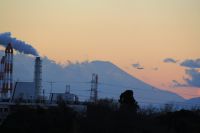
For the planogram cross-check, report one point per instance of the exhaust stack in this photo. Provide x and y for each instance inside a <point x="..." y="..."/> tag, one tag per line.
<point x="6" y="73"/>
<point x="38" y="78"/>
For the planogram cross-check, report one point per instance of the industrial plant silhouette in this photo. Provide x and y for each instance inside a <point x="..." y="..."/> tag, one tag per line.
<point x="24" y="107"/>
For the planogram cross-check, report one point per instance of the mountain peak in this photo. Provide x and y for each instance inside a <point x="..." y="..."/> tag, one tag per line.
<point x="112" y="80"/>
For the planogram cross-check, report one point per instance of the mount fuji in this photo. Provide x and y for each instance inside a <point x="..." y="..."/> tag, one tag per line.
<point x="112" y="80"/>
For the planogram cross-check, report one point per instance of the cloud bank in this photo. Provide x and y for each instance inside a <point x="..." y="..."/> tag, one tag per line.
<point x="191" y="63"/>
<point x="194" y="80"/>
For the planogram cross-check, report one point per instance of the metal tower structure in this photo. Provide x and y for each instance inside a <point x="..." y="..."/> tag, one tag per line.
<point x="94" y="88"/>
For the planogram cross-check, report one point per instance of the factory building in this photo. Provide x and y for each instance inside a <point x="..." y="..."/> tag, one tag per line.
<point x="23" y="92"/>
<point x="67" y="97"/>
<point x="29" y="91"/>
<point x="26" y="92"/>
<point x="7" y="90"/>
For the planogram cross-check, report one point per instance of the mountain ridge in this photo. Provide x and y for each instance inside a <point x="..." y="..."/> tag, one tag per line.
<point x="112" y="79"/>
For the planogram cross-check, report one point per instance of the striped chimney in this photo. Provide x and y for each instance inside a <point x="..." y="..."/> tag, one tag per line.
<point x="8" y="72"/>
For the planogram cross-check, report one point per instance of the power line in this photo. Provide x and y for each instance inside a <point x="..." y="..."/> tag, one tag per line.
<point x="107" y="84"/>
<point x="51" y="84"/>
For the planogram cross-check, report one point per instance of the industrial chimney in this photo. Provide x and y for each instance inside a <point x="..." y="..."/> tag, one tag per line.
<point x="38" y="78"/>
<point x="6" y="76"/>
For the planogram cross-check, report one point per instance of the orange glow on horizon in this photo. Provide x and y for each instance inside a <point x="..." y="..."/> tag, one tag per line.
<point x="123" y="32"/>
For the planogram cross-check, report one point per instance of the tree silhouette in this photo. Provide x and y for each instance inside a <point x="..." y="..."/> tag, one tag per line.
<point x="127" y="102"/>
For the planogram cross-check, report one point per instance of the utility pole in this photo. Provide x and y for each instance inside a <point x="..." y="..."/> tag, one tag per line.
<point x="43" y="95"/>
<point x="51" y="93"/>
<point x="51" y="84"/>
<point x="94" y="88"/>
<point x="67" y="89"/>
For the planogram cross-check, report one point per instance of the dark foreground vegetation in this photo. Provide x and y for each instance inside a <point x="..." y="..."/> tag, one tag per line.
<point x="102" y="117"/>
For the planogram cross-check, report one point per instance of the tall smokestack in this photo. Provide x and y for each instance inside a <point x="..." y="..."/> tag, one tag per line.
<point x="2" y="65"/>
<point x="7" y="61"/>
<point x="38" y="78"/>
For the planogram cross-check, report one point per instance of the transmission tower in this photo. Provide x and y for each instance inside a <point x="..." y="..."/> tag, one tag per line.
<point x="94" y="87"/>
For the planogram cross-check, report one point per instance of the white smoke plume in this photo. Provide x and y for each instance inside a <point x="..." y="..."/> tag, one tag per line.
<point x="18" y="45"/>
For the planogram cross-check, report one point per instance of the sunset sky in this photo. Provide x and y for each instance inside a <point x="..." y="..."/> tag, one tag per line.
<point x="130" y="33"/>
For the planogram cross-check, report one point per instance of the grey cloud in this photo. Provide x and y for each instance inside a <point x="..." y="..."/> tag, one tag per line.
<point x="170" y="60"/>
<point x="137" y="66"/>
<point x="191" y="63"/>
<point x="194" y="79"/>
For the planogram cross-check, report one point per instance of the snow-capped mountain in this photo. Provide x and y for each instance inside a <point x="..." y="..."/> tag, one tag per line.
<point x="112" y="80"/>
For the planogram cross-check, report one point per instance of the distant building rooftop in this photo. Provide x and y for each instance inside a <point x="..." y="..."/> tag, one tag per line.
<point x="67" y="97"/>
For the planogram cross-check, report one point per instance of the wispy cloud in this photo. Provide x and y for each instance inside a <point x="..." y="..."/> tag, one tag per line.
<point x="155" y="68"/>
<point x="137" y="66"/>
<point x="175" y="83"/>
<point x="170" y="60"/>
